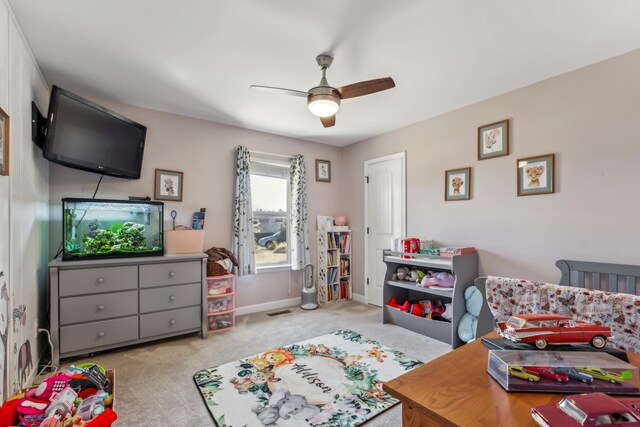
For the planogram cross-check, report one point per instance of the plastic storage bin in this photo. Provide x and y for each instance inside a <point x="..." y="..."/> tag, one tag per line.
<point x="222" y="322"/>
<point x="220" y="285"/>
<point x="562" y="372"/>
<point x="183" y="241"/>
<point x="221" y="304"/>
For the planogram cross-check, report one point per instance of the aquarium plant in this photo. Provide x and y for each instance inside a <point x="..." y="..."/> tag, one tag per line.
<point x="127" y="237"/>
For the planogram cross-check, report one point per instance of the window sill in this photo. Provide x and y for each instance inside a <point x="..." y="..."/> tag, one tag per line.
<point x="272" y="268"/>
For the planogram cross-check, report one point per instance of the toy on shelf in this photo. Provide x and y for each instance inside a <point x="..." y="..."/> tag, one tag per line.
<point x="429" y="309"/>
<point x="441" y="279"/>
<point x="456" y="251"/>
<point x="550" y="329"/>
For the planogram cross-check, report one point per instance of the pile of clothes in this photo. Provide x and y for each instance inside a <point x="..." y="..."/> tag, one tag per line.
<point x="220" y="261"/>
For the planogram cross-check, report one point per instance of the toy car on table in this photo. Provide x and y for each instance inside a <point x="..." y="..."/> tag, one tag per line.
<point x="601" y="374"/>
<point x="547" y="372"/>
<point x="552" y="329"/>
<point x="592" y="409"/>
<point x="525" y="374"/>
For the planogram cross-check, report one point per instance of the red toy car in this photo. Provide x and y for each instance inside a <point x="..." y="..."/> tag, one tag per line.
<point x="547" y="372"/>
<point x="544" y="329"/>
<point x="593" y="409"/>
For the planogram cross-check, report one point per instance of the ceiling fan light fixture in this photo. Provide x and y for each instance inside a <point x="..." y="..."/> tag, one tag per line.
<point x="323" y="105"/>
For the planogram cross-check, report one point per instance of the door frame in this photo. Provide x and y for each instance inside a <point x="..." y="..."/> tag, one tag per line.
<point x="403" y="207"/>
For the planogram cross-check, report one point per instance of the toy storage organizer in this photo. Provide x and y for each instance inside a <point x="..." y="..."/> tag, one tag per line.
<point x="334" y="266"/>
<point x="463" y="267"/>
<point x="221" y="302"/>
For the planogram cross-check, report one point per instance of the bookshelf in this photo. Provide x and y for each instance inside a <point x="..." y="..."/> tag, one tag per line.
<point x="334" y="266"/>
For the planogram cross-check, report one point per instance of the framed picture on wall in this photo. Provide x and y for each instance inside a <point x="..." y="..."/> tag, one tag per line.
<point x="536" y="175"/>
<point x="457" y="184"/>
<point x="168" y="185"/>
<point x="493" y="140"/>
<point x="323" y="170"/>
<point x="4" y="143"/>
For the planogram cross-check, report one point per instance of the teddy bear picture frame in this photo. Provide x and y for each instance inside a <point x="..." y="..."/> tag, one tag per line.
<point x="536" y="175"/>
<point x="457" y="184"/>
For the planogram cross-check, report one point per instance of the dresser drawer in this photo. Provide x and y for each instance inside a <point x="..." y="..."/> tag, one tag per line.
<point x="167" y="322"/>
<point x="170" y="297"/>
<point x="90" y="308"/>
<point x="98" y="334"/>
<point x="173" y="273"/>
<point x="95" y="280"/>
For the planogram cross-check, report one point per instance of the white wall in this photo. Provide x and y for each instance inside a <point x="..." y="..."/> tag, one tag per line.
<point x="205" y="152"/>
<point x="588" y="117"/>
<point x="24" y="205"/>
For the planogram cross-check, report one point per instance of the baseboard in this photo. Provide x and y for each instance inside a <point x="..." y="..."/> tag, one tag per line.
<point x="358" y="298"/>
<point x="267" y="306"/>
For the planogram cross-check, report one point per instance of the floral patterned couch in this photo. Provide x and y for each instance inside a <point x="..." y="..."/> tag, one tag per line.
<point x="620" y="311"/>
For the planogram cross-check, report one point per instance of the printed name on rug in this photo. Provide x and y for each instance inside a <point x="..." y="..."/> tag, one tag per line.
<point x="310" y="376"/>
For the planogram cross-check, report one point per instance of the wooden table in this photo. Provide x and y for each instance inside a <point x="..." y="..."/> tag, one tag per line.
<point x="456" y="390"/>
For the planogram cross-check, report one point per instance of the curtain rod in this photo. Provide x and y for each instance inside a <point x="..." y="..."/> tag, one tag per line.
<point x="270" y="154"/>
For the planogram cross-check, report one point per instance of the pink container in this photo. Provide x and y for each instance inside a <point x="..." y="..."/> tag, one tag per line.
<point x="183" y="241"/>
<point x="340" y="220"/>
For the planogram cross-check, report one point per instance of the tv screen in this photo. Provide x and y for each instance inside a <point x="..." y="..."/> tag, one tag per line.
<point x="84" y="135"/>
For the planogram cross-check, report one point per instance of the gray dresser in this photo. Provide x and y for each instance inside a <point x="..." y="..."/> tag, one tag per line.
<point x="102" y="304"/>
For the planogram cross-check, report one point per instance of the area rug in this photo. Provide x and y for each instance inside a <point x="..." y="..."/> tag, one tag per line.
<point x="331" y="380"/>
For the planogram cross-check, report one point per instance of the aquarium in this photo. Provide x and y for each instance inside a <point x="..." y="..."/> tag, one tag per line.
<point x="94" y="228"/>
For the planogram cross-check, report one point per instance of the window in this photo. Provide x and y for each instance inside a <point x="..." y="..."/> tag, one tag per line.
<point x="270" y="200"/>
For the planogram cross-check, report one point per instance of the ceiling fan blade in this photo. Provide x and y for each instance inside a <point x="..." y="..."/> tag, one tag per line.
<point x="366" y="88"/>
<point x="328" y="121"/>
<point x="291" y="92"/>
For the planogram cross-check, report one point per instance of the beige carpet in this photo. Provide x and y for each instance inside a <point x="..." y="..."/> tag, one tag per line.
<point x="154" y="385"/>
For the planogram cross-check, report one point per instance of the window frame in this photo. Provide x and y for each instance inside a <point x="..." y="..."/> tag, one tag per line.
<point x="284" y="164"/>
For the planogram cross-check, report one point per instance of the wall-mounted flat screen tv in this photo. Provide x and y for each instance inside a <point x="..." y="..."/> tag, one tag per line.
<point x="84" y="135"/>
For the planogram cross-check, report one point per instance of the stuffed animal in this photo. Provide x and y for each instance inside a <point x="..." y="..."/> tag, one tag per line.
<point x="469" y="322"/>
<point x="441" y="279"/>
<point x="402" y="273"/>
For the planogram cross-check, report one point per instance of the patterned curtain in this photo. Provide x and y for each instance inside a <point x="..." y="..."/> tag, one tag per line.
<point x="299" y="232"/>
<point x="242" y="245"/>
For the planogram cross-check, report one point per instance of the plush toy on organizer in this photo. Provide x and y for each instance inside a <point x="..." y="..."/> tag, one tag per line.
<point x="440" y="279"/>
<point x="469" y="322"/>
<point x="429" y="309"/>
<point x="411" y="275"/>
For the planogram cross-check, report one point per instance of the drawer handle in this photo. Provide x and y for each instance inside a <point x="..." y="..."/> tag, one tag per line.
<point x="172" y="274"/>
<point x="172" y="298"/>
<point x="172" y="322"/>
<point x="101" y="307"/>
<point x="100" y="281"/>
<point x="101" y="334"/>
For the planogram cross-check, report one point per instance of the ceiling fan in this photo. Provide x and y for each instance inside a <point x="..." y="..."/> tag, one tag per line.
<point x="324" y="100"/>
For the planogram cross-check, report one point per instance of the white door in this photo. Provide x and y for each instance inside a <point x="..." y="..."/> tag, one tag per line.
<point x="384" y="217"/>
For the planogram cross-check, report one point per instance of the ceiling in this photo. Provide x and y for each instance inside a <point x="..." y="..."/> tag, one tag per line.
<point x="198" y="58"/>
